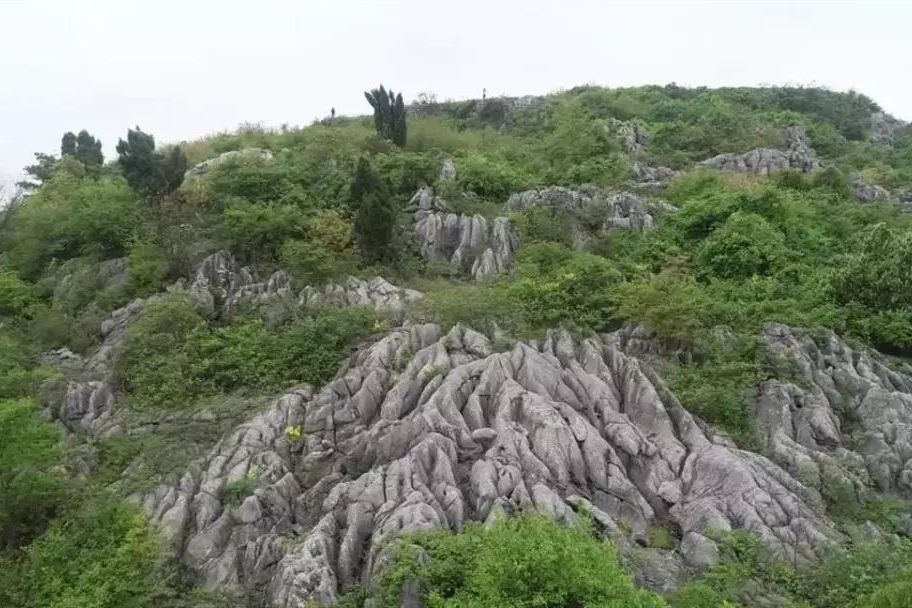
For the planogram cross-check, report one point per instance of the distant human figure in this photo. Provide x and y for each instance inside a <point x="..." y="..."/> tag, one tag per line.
<point x="484" y="94"/>
<point x="332" y="114"/>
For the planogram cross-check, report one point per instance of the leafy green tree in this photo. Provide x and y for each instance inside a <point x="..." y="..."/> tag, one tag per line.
<point x="148" y="171"/>
<point x="256" y="231"/>
<point x="389" y="114"/>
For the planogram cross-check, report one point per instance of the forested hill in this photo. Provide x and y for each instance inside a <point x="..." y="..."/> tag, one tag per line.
<point x="644" y="347"/>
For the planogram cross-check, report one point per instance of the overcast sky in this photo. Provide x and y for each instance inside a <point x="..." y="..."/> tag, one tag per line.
<point x="184" y="69"/>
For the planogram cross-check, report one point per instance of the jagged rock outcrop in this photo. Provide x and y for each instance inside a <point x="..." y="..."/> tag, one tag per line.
<point x="632" y="135"/>
<point x="844" y="424"/>
<point x="220" y="287"/>
<point x="621" y="209"/>
<point x="868" y="193"/>
<point x="652" y="179"/>
<point x="254" y="154"/>
<point x="483" y="247"/>
<point x="767" y="161"/>
<point x="424" y="430"/>
<point x="447" y="170"/>
<point x="376" y="293"/>
<point x="883" y="128"/>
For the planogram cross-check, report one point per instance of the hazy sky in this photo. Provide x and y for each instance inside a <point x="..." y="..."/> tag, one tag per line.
<point x="183" y="69"/>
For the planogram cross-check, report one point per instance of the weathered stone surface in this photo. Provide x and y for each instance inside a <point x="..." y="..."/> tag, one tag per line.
<point x="868" y="193"/>
<point x="845" y="423"/>
<point x="425" y="431"/>
<point x="883" y="128"/>
<point x="447" y="170"/>
<point x="652" y="179"/>
<point x="624" y="210"/>
<point x="255" y="154"/>
<point x="481" y="246"/>
<point x="768" y="161"/>
<point x="376" y="293"/>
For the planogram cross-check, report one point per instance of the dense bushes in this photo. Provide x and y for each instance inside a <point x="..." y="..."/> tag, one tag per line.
<point x="67" y="218"/>
<point x="523" y="562"/>
<point x="172" y="357"/>
<point x="101" y="557"/>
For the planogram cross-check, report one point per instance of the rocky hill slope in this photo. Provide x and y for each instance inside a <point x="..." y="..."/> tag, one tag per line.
<point x="316" y="367"/>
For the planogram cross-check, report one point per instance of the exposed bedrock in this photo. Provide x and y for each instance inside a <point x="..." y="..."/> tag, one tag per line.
<point x="425" y="430"/>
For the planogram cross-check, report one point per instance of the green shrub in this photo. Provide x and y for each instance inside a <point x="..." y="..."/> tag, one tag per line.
<point x="745" y="245"/>
<point x="172" y="358"/>
<point x="67" y="218"/>
<point x="879" y="275"/>
<point x="16" y="296"/>
<point x="156" y="366"/>
<point x="256" y="231"/>
<point x="31" y="489"/>
<point x="102" y="557"/>
<point x="520" y="562"/>
<point x="147" y="268"/>
<point x="670" y="304"/>
<point x="490" y="176"/>
<point x="326" y="251"/>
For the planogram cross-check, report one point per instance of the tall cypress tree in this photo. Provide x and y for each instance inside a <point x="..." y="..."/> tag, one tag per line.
<point x="375" y="214"/>
<point x="389" y="114"/>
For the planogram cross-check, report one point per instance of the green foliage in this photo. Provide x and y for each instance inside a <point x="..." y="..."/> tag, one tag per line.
<point x="102" y="557"/>
<point x="256" y="231"/>
<point x="148" y="171"/>
<point x="744" y="246"/>
<point x="147" y="267"/>
<point x="172" y="358"/>
<point x="670" y="304"/>
<point x="326" y="251"/>
<point x="879" y="275"/>
<point x="67" y="218"/>
<point x="558" y="286"/>
<point x="490" y="176"/>
<point x="83" y="147"/>
<point x="31" y="488"/>
<point x="389" y="114"/>
<point x="155" y="367"/>
<point x="519" y="562"/>
<point x="16" y="296"/>
<point x="375" y="214"/>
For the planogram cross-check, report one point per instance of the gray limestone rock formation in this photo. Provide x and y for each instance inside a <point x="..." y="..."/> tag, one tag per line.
<point x="883" y="128"/>
<point x="652" y="179"/>
<point x="481" y="246"/>
<point x="767" y="161"/>
<point x="423" y="430"/>
<point x="624" y="210"/>
<point x="632" y="135"/>
<point x="447" y="170"/>
<point x="254" y="154"/>
<point x="376" y="293"/>
<point x="868" y="193"/>
<point x="845" y="423"/>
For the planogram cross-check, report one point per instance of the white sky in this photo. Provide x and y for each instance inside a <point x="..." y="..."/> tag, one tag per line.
<point x="184" y="69"/>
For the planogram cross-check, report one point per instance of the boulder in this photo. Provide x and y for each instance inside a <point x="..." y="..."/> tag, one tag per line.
<point x="867" y="193"/>
<point x="767" y="161"/>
